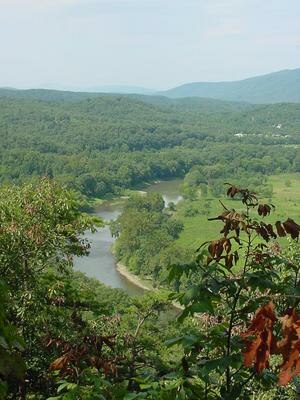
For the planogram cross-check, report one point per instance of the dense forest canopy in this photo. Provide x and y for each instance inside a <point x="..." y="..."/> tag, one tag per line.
<point x="149" y="201"/>
<point x="57" y="327"/>
<point x="103" y="144"/>
<point x="65" y="336"/>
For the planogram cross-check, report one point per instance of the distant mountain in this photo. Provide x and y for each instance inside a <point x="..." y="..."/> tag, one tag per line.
<point x="277" y="87"/>
<point x="67" y="95"/>
<point x="46" y="94"/>
<point x="120" y="89"/>
<point x="192" y="104"/>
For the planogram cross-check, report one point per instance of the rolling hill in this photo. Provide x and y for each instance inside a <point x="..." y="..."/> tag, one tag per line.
<point x="278" y="87"/>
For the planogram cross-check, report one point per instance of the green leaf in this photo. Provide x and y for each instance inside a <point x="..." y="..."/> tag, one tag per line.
<point x="65" y="385"/>
<point x="133" y="396"/>
<point x="173" y="341"/>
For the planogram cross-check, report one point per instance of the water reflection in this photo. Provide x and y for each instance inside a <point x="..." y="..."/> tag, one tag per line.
<point x="101" y="263"/>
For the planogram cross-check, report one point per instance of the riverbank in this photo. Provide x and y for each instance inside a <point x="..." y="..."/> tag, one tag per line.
<point x="101" y="264"/>
<point x="134" y="279"/>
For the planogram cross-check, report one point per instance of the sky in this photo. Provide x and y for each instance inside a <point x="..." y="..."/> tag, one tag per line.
<point x="158" y="44"/>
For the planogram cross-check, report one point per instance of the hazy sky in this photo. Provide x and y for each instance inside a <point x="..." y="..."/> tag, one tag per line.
<point x="152" y="43"/>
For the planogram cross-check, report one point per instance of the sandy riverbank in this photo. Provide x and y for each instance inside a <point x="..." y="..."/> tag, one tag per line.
<point x="133" y="278"/>
<point x="138" y="282"/>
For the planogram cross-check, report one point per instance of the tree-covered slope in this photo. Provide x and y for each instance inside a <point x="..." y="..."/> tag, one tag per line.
<point x="46" y="94"/>
<point x="181" y="104"/>
<point x="277" y="87"/>
<point x="111" y="142"/>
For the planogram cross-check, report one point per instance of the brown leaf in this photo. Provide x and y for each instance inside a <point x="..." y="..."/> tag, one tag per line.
<point x="291" y="370"/>
<point x="269" y="228"/>
<point x="232" y="191"/>
<point x="289" y="347"/>
<point x="216" y="248"/>
<point x="227" y="246"/>
<point x="251" y="350"/>
<point x="221" y="217"/>
<point x="259" y="338"/>
<point x="280" y="230"/>
<point x="264" y="209"/>
<point x="262" y="230"/>
<point x="248" y="197"/>
<point x="60" y="362"/>
<point x="229" y="260"/>
<point x="292" y="228"/>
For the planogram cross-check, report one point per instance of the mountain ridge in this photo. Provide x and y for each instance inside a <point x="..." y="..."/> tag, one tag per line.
<point x="276" y="87"/>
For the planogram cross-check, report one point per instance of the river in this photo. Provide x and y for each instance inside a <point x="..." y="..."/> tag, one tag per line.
<point x="101" y="264"/>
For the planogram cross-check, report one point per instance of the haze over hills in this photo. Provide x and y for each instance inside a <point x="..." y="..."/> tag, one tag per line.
<point x="120" y="89"/>
<point x="277" y="87"/>
<point x="74" y="94"/>
<point x="46" y="94"/>
<point x="195" y="104"/>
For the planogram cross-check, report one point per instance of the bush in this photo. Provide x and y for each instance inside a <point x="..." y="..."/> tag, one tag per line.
<point x="191" y="211"/>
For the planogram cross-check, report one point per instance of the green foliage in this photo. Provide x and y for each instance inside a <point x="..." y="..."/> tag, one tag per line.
<point x="12" y="367"/>
<point x="81" y="142"/>
<point x="172" y="206"/>
<point x="40" y="228"/>
<point x="238" y="273"/>
<point x="191" y="211"/>
<point x="65" y="336"/>
<point x="80" y="339"/>
<point x="144" y="233"/>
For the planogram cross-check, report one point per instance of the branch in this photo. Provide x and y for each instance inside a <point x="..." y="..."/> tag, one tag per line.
<point x="222" y="204"/>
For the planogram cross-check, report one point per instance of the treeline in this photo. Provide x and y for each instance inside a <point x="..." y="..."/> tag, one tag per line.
<point x="209" y="180"/>
<point x="243" y="271"/>
<point x="63" y="334"/>
<point x="146" y="235"/>
<point x="107" y="143"/>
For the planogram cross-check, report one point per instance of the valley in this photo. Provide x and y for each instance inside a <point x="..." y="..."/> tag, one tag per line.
<point x="101" y="264"/>
<point x="108" y="254"/>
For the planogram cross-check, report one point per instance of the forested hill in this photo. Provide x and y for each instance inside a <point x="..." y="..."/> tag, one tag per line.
<point x="184" y="104"/>
<point x="46" y="94"/>
<point x="277" y="87"/>
<point x="107" y="143"/>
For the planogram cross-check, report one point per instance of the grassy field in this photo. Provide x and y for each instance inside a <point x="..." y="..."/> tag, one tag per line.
<point x="286" y="198"/>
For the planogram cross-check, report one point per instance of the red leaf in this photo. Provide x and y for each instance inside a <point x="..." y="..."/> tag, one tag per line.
<point x="259" y="338"/>
<point x="289" y="347"/>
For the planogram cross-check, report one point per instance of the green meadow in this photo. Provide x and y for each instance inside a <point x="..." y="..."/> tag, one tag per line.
<point x="197" y="228"/>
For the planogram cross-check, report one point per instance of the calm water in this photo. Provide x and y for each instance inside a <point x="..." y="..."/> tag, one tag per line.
<point x="100" y="263"/>
<point x="168" y="189"/>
